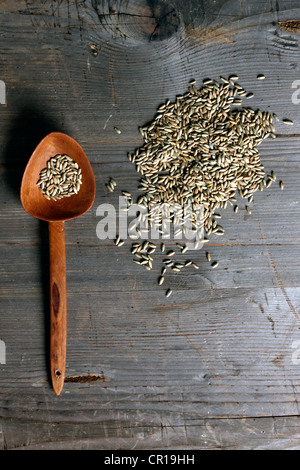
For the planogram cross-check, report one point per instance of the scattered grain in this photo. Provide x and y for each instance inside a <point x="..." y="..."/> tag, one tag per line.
<point x="289" y="122"/>
<point x="168" y="292"/>
<point x="171" y="253"/>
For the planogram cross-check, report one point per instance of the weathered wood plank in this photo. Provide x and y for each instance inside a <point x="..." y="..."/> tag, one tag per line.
<point x="199" y="434"/>
<point x="204" y="349"/>
<point x="215" y="366"/>
<point x="110" y="269"/>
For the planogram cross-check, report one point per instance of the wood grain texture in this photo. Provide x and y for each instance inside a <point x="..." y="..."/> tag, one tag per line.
<point x="215" y="366"/>
<point x="58" y="305"/>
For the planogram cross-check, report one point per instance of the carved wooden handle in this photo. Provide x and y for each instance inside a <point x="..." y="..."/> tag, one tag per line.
<point x="58" y="305"/>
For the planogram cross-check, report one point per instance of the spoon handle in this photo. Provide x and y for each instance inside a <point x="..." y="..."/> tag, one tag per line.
<point x="58" y="305"/>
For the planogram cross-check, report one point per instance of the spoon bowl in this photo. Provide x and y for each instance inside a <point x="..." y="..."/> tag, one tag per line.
<point x="56" y="212"/>
<point x="67" y="208"/>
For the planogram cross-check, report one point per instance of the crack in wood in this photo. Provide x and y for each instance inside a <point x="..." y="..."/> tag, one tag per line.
<point x="86" y="378"/>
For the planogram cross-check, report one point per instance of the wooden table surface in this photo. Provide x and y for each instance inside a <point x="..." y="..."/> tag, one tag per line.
<point x="217" y="364"/>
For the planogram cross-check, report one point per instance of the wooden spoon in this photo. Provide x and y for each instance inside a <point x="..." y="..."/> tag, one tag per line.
<point x="56" y="213"/>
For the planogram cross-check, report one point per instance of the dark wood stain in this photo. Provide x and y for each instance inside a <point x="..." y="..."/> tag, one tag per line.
<point x="55" y="299"/>
<point x="88" y="378"/>
<point x="291" y="26"/>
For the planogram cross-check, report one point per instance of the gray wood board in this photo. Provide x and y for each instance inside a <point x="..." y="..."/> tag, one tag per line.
<point x="214" y="366"/>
